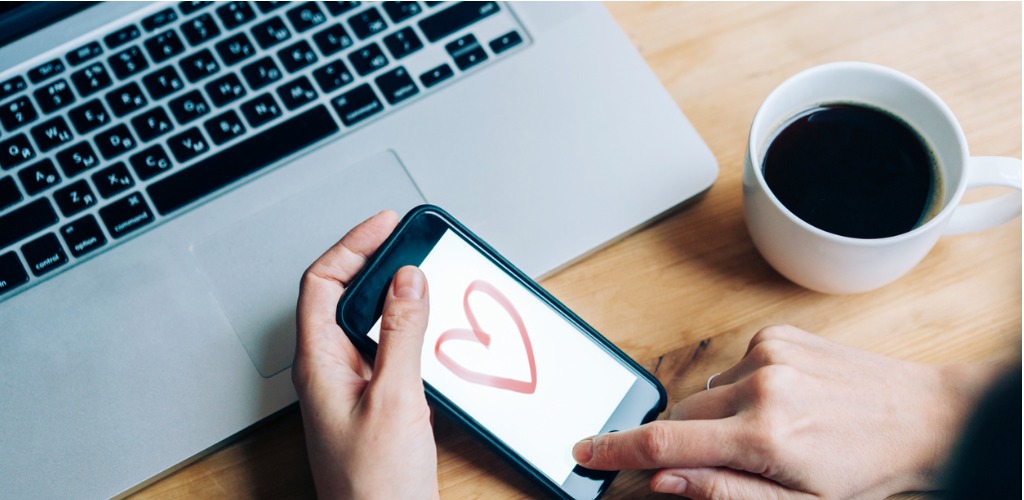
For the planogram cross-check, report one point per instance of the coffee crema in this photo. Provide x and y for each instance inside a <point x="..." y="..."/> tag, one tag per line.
<point x="854" y="171"/>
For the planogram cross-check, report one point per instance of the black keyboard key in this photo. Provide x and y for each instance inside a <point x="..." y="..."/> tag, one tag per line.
<point x="150" y="162"/>
<point x="126" y="99"/>
<point x="188" y="145"/>
<point x="199" y="65"/>
<point x="235" y="14"/>
<point x="39" y="177"/>
<point x="339" y="8"/>
<point x="357" y="105"/>
<point x="397" y="85"/>
<point x="433" y="4"/>
<point x="297" y="56"/>
<point x="367" y="23"/>
<point x="455" y="18"/>
<point x="368" y="59"/>
<point x="332" y="39"/>
<point x="436" y="75"/>
<point x="242" y="160"/>
<point x="84" y="53"/>
<point x="17" y="112"/>
<point x="306" y="16"/>
<point x="89" y="116"/>
<point x="15" y="150"/>
<point x="152" y="124"/>
<point x="126" y="215"/>
<point x="12" y="272"/>
<point x="54" y="96"/>
<point x="122" y="36"/>
<point x="235" y="48"/>
<point x="260" y="110"/>
<point x="91" y="79"/>
<point x="163" y="82"/>
<point x="187" y="8"/>
<point x="164" y="46"/>
<point x="74" y="198"/>
<point x="225" y="90"/>
<point x="224" y="127"/>
<point x="266" y="7"/>
<point x="400" y="11"/>
<point x="52" y="133"/>
<point x="189" y="107"/>
<point x="261" y="73"/>
<point x="26" y="220"/>
<point x="271" y="32"/>
<point x="128" y="62"/>
<point x="296" y="93"/>
<point x="113" y="180"/>
<point x="45" y="70"/>
<point x="402" y="42"/>
<point x="9" y="193"/>
<point x="77" y="159"/>
<point x="160" y="19"/>
<point x="12" y="86"/>
<point x="333" y="76"/>
<point x="44" y="254"/>
<point x="467" y="52"/>
<point x="199" y="29"/>
<point x="83" y="236"/>
<point x="115" y="141"/>
<point x="505" y="42"/>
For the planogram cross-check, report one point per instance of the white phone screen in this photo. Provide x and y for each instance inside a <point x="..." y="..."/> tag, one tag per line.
<point x="539" y="384"/>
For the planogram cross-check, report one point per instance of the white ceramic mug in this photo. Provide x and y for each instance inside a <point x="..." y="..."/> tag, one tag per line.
<point x="831" y="263"/>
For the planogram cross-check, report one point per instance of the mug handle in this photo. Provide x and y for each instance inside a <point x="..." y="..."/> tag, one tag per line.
<point x="988" y="171"/>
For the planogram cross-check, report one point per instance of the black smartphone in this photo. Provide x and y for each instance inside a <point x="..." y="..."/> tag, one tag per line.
<point x="502" y="356"/>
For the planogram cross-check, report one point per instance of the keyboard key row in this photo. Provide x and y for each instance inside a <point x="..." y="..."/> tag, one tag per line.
<point x="241" y="160"/>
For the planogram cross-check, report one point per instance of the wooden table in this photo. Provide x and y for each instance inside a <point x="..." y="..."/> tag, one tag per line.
<point x="686" y="294"/>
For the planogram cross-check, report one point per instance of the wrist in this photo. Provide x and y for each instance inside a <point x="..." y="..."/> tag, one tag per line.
<point x="955" y="393"/>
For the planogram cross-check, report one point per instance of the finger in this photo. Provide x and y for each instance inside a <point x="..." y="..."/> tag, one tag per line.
<point x="709" y="483"/>
<point x="662" y="444"/>
<point x="403" y="323"/>
<point x="325" y="280"/>
<point x="770" y="346"/>
<point x="719" y="402"/>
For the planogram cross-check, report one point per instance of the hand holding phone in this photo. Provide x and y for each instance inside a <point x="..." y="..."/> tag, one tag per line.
<point x="501" y="356"/>
<point x="368" y="431"/>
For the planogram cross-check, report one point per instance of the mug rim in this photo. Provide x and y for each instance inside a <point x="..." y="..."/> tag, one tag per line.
<point x="939" y="218"/>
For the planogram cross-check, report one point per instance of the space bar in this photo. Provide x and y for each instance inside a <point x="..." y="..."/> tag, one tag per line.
<point x="244" y="158"/>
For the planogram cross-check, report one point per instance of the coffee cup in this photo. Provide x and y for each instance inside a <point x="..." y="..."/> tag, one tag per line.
<point x="837" y="258"/>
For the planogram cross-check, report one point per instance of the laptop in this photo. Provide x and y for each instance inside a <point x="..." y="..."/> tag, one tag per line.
<point x="168" y="170"/>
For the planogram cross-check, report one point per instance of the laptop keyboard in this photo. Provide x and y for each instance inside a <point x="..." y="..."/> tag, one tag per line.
<point x="110" y="135"/>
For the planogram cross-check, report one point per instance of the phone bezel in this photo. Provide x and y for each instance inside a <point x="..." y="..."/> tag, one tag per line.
<point x="410" y="242"/>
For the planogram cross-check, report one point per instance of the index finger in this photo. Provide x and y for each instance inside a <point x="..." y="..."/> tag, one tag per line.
<point x="663" y="444"/>
<point x="325" y="280"/>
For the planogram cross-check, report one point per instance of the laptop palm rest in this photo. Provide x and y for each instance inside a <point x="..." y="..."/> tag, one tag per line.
<point x="254" y="265"/>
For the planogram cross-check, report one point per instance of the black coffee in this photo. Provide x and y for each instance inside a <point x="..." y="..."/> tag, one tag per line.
<point x="853" y="171"/>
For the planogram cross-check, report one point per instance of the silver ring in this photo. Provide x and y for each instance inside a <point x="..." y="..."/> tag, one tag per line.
<point x="707" y="386"/>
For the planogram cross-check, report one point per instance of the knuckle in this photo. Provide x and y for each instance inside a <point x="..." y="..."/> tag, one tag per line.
<point x="772" y="352"/>
<point x="655" y="441"/>
<point x="772" y="332"/>
<point x="771" y="382"/>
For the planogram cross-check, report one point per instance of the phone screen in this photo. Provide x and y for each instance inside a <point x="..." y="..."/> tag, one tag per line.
<point x="511" y="361"/>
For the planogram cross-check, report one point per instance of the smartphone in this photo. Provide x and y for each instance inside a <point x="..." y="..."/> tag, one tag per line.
<point x="501" y="356"/>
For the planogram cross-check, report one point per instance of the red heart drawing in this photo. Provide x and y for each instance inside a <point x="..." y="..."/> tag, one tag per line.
<point x="476" y="334"/>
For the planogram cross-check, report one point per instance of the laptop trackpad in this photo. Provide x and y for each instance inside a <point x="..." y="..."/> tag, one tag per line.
<point x="254" y="265"/>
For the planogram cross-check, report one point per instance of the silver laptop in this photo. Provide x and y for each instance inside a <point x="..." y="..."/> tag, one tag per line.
<point x="168" y="170"/>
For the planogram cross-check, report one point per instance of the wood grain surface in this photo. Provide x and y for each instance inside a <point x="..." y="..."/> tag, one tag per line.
<point x="685" y="295"/>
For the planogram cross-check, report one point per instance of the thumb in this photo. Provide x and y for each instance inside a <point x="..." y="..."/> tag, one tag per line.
<point x="403" y="324"/>
<point x="708" y="483"/>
